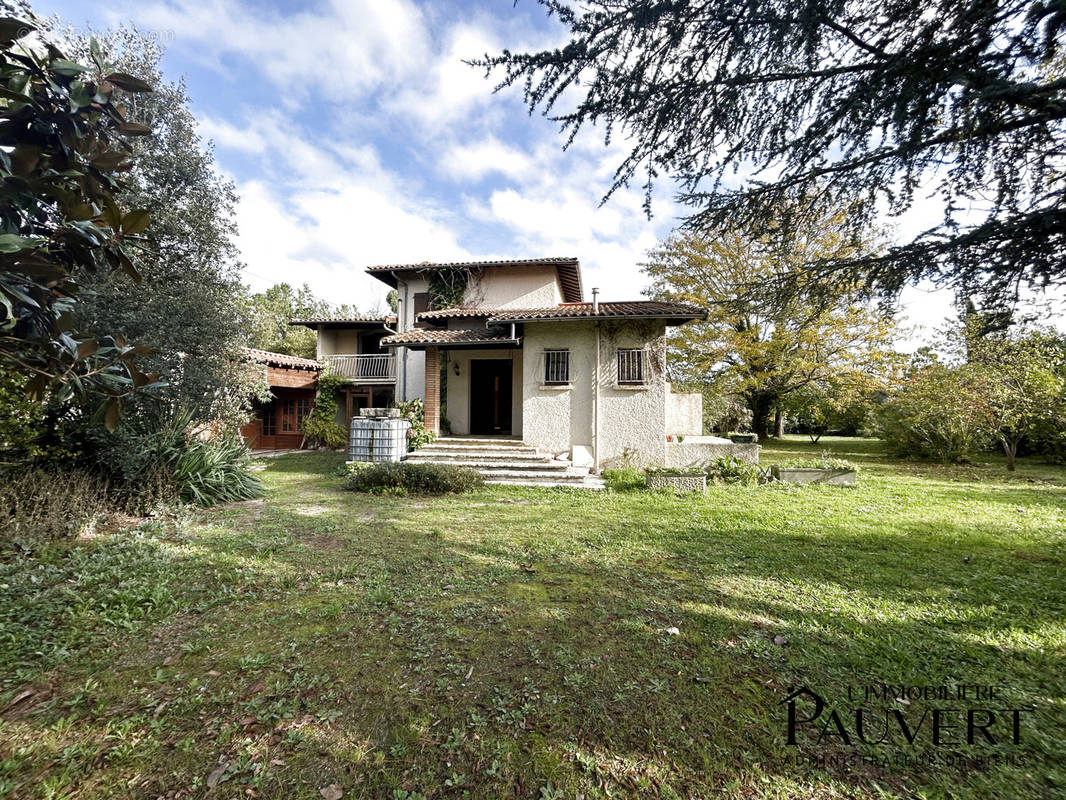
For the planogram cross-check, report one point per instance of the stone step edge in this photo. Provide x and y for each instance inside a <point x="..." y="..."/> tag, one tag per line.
<point x="502" y="448"/>
<point x="531" y="473"/>
<point x="585" y="484"/>
<point x="427" y="453"/>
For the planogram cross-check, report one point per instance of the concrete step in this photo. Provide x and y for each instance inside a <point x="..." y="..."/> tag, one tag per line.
<point x="480" y="440"/>
<point x="512" y="467"/>
<point x="590" y="482"/>
<point x="565" y="475"/>
<point x="442" y="455"/>
<point x="455" y="447"/>
<point x="481" y="465"/>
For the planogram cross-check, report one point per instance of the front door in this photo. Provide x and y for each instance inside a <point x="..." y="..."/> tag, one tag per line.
<point x="490" y="396"/>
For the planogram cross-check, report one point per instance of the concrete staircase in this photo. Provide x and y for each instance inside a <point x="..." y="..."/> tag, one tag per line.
<point x="505" y="461"/>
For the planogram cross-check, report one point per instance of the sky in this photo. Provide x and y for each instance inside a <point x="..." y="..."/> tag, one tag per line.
<point x="356" y="135"/>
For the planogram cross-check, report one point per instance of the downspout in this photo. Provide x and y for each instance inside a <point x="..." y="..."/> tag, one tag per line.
<point x="596" y="389"/>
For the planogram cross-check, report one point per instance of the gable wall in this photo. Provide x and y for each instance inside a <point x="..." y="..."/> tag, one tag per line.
<point x="510" y="287"/>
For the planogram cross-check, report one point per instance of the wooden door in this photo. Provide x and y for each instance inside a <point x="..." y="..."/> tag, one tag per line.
<point x="490" y="396"/>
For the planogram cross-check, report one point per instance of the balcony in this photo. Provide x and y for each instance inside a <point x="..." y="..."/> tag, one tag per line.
<point x="364" y="369"/>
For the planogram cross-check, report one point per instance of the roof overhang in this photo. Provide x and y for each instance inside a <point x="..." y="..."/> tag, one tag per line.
<point x="357" y="323"/>
<point x="481" y="344"/>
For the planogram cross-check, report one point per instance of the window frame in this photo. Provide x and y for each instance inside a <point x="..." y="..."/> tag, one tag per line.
<point x="546" y="375"/>
<point x="642" y="361"/>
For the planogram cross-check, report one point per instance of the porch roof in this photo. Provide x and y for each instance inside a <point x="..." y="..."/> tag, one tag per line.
<point x="281" y="360"/>
<point x="345" y="322"/>
<point x="422" y="337"/>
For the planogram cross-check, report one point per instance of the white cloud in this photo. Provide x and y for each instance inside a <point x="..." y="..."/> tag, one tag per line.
<point x="327" y="238"/>
<point x="348" y="46"/>
<point x="229" y="136"/>
<point x="475" y="160"/>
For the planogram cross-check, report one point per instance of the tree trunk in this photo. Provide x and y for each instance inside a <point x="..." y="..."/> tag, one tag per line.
<point x="761" y="404"/>
<point x="1011" y="449"/>
<point x="779" y="424"/>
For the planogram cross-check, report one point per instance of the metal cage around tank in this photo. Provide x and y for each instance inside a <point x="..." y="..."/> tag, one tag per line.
<point x="378" y="439"/>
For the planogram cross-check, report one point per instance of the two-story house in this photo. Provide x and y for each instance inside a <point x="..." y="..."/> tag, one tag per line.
<point x="513" y="349"/>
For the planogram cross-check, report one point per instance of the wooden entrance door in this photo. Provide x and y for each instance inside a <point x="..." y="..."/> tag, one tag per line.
<point x="490" y="396"/>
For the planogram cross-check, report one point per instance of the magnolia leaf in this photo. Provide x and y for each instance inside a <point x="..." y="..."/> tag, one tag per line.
<point x="134" y="129"/>
<point x="35" y="387"/>
<point x="113" y="413"/>
<point x="112" y="214"/>
<point x="12" y="29"/>
<point x="13" y="243"/>
<point x="127" y="83"/>
<point x="86" y="349"/>
<point x="94" y="51"/>
<point x="110" y="161"/>
<point x="81" y="212"/>
<point x="65" y="67"/>
<point x="135" y="221"/>
<point x="24" y="158"/>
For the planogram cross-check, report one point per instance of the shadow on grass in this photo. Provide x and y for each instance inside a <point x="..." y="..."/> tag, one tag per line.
<point x="464" y="644"/>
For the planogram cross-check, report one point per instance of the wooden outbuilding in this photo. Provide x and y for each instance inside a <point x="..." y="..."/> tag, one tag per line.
<point x="278" y="424"/>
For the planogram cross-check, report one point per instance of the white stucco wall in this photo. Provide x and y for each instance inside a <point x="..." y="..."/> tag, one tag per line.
<point x="684" y="414"/>
<point x="632" y="422"/>
<point x="410" y="364"/>
<point x="459" y="387"/>
<point x="702" y="450"/>
<point x="503" y="287"/>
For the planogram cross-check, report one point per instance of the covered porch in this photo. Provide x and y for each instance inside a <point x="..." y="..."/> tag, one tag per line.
<point x="473" y="383"/>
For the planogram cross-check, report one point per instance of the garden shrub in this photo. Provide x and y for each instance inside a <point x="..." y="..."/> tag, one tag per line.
<point x="726" y="469"/>
<point x="825" y="462"/>
<point x="729" y="469"/>
<point x="388" y="477"/>
<point x="158" y="458"/>
<point x="40" y="506"/>
<point x="415" y="411"/>
<point x="624" y="479"/>
<point x="938" y="413"/>
<point x="210" y="471"/>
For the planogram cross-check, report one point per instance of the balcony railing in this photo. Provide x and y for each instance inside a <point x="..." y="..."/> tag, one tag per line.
<point x="364" y="369"/>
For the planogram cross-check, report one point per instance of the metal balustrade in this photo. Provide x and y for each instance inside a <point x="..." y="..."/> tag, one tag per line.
<point x="377" y="368"/>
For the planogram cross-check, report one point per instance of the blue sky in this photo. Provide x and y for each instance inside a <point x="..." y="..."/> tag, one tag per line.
<point x="356" y="136"/>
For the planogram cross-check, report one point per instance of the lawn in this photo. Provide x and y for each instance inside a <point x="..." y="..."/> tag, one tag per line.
<point x="546" y="644"/>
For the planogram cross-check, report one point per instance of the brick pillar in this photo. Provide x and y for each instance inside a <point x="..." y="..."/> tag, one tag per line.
<point x="433" y="390"/>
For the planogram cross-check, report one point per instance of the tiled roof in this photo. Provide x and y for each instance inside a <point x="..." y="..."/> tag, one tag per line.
<point x="336" y="322"/>
<point x="447" y="313"/>
<point x="492" y="262"/>
<point x="424" y="336"/>
<point x="567" y="267"/>
<point x="635" y="309"/>
<point x="280" y="359"/>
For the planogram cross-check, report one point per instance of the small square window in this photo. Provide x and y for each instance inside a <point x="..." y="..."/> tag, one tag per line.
<point x="556" y="367"/>
<point x="631" y="367"/>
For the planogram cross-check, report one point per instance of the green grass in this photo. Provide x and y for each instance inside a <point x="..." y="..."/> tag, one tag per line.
<point x="517" y="643"/>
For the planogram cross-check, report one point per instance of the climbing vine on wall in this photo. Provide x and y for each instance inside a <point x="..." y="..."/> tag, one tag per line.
<point x="320" y="426"/>
<point x="447" y="287"/>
